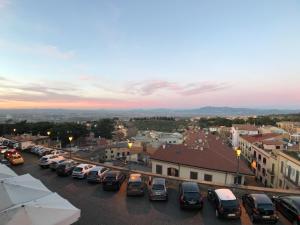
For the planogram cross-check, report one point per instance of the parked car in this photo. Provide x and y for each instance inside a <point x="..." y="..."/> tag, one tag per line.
<point x="158" y="189"/>
<point x="47" y="159"/>
<point x="113" y="180"/>
<point x="44" y="151"/>
<point x="96" y="174"/>
<point x="60" y="152"/>
<point x="260" y="208"/>
<point x="54" y="164"/>
<point x="190" y="196"/>
<point x="225" y="203"/>
<point x="3" y="149"/>
<point x="135" y="185"/>
<point x="66" y="168"/>
<point x="4" y="162"/>
<point x="289" y="207"/>
<point x="10" y="152"/>
<point x="16" y="159"/>
<point x="81" y="171"/>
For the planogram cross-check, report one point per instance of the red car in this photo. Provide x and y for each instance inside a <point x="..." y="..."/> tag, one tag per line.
<point x="10" y="152"/>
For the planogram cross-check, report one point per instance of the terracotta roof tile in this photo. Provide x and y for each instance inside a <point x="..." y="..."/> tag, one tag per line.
<point x="259" y="137"/>
<point x="214" y="156"/>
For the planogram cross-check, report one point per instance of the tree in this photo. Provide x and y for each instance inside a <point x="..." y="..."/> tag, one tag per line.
<point x="104" y="128"/>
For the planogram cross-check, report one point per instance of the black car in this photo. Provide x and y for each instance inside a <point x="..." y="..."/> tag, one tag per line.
<point x="289" y="206"/>
<point x="260" y="208"/>
<point x="190" y="196"/>
<point x="66" y="168"/>
<point x="113" y="180"/>
<point x="225" y="203"/>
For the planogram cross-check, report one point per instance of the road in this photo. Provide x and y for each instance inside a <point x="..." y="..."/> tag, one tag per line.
<point x="113" y="208"/>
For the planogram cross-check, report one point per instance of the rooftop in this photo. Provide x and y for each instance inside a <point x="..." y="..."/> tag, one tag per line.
<point x="247" y="127"/>
<point x="210" y="154"/>
<point x="293" y="154"/>
<point x="259" y="137"/>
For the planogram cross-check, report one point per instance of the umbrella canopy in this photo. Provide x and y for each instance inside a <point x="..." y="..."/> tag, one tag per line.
<point x="49" y="210"/>
<point x="20" y="189"/>
<point x="6" y="172"/>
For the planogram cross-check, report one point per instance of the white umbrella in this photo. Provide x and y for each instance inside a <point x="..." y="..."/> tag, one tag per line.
<point x="20" y="189"/>
<point x="6" y="172"/>
<point x="49" y="210"/>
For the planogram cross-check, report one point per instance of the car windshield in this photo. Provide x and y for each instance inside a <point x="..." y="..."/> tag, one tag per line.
<point x="230" y="203"/>
<point x="134" y="184"/>
<point x="192" y="194"/>
<point x="265" y="206"/>
<point x="158" y="187"/>
<point x="17" y="157"/>
<point x="78" y="169"/>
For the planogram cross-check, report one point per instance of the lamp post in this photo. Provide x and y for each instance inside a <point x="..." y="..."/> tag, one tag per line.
<point x="48" y="133"/>
<point x="70" y="139"/>
<point x="238" y="155"/>
<point x="129" y="145"/>
<point x="14" y="131"/>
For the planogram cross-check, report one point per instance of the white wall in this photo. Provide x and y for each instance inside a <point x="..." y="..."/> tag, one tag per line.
<point x="184" y="172"/>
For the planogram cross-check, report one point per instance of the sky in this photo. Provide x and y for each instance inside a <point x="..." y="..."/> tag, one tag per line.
<point x="127" y="54"/>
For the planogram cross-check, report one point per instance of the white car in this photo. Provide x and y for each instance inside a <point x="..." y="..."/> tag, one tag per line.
<point x="82" y="170"/>
<point x="47" y="159"/>
<point x="59" y="152"/>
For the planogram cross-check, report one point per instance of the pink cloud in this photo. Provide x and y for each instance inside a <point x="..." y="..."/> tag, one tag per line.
<point x="151" y="87"/>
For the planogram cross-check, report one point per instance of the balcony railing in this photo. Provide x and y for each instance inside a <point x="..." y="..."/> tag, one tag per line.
<point x="287" y="178"/>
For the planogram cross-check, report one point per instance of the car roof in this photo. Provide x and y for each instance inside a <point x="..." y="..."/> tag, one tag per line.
<point x="190" y="187"/>
<point x="261" y="198"/>
<point x="295" y="199"/>
<point x="97" y="168"/>
<point x="225" y="194"/>
<point x="82" y="165"/>
<point x="157" y="180"/>
<point x="135" y="177"/>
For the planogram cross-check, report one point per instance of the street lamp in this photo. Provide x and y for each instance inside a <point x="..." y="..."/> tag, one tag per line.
<point x="70" y="139"/>
<point x="14" y="131"/>
<point x="129" y="145"/>
<point x="48" y="133"/>
<point x="238" y="155"/>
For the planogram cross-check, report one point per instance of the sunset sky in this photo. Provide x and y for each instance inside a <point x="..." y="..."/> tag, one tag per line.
<point x="149" y="54"/>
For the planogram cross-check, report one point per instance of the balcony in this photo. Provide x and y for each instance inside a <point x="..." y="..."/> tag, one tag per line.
<point x="289" y="180"/>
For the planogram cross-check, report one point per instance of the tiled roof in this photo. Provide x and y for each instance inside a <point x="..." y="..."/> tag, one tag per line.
<point x="247" y="127"/>
<point x="273" y="142"/>
<point x="259" y="137"/>
<point x="213" y="156"/>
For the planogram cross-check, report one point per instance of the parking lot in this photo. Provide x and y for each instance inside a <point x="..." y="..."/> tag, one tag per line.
<point x="109" y="208"/>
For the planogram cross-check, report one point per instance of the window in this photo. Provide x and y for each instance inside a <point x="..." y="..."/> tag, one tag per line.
<point x="280" y="183"/>
<point x="264" y="161"/>
<point x="281" y="167"/>
<point x="118" y="154"/>
<point x="128" y="153"/>
<point x="111" y="151"/>
<point x="264" y="171"/>
<point x="259" y="157"/>
<point x="258" y="167"/>
<point x="272" y="180"/>
<point x="158" y="169"/>
<point x="173" y="172"/>
<point x="277" y="147"/>
<point x="207" y="177"/>
<point x="193" y="175"/>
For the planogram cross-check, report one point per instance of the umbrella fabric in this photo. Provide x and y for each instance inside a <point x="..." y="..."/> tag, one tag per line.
<point x="49" y="210"/>
<point x="20" y="189"/>
<point x="6" y="172"/>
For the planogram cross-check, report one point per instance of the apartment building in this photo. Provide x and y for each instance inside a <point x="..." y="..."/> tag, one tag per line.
<point x="205" y="159"/>
<point x="273" y="162"/>
<point x="241" y="129"/>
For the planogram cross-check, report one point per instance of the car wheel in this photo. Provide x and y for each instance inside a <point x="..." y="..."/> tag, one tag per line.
<point x="217" y="214"/>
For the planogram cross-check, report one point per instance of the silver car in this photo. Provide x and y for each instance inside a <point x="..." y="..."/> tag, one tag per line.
<point x="158" y="189"/>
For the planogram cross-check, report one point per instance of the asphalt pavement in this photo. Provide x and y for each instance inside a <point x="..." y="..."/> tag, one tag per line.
<point x="99" y="207"/>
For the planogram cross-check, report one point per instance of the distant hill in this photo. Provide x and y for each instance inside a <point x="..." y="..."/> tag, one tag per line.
<point x="78" y="115"/>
